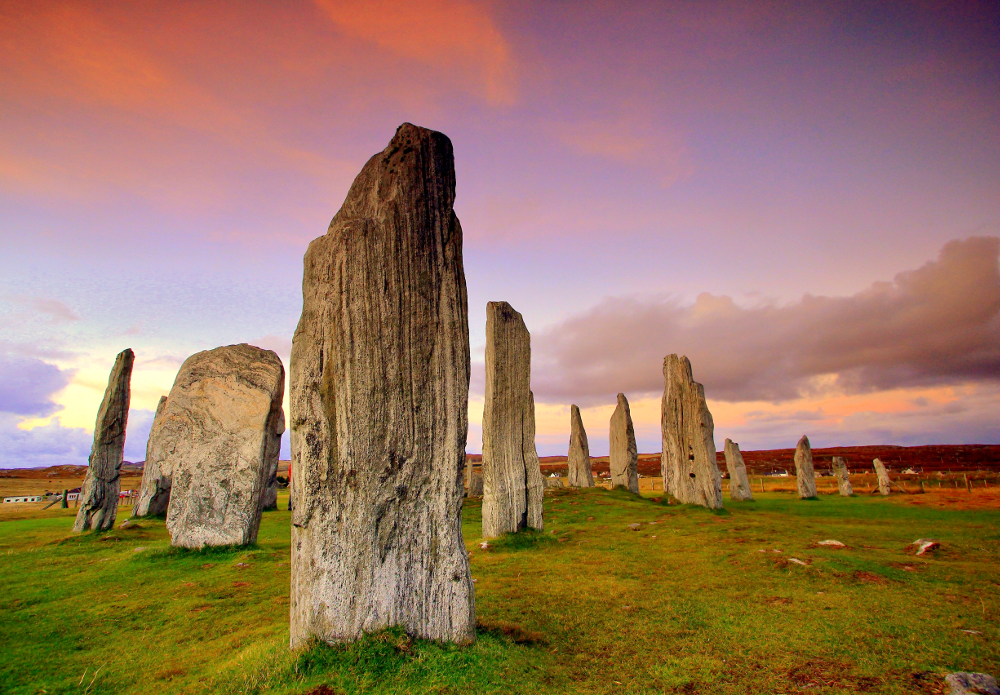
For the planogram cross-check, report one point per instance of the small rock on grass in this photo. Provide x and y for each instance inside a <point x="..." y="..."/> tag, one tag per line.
<point x="965" y="683"/>
<point x="798" y="561"/>
<point x="925" y="545"/>
<point x="832" y="544"/>
<point x="634" y="527"/>
<point x="484" y="545"/>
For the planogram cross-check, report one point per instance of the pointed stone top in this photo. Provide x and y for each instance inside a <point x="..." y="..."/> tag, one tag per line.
<point x="622" y="400"/>
<point x="680" y="363"/>
<point x="730" y="442"/>
<point x="416" y="170"/>
<point x="504" y="310"/>
<point x="804" y="442"/>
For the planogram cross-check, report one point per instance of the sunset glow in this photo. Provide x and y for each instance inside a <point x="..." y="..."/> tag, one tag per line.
<point x="802" y="198"/>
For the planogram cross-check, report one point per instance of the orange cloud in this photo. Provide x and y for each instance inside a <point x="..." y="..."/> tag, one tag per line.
<point x="450" y="35"/>
<point x="629" y="142"/>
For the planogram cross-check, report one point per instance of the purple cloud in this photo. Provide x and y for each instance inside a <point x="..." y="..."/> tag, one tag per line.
<point x="938" y="324"/>
<point x="50" y="445"/>
<point x="28" y="384"/>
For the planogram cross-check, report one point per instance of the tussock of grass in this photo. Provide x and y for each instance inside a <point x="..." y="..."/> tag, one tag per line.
<point x="525" y="539"/>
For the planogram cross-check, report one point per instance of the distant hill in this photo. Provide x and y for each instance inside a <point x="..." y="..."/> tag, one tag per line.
<point x="931" y="458"/>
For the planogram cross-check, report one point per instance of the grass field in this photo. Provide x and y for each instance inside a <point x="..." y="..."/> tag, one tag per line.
<point x="687" y="604"/>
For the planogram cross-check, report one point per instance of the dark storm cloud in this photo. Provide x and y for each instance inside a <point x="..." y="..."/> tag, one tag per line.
<point x="937" y="324"/>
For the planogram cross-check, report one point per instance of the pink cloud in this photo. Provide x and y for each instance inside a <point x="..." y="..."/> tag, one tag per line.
<point x="937" y="324"/>
<point x="452" y="36"/>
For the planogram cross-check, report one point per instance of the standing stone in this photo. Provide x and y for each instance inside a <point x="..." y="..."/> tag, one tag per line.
<point x="624" y="457"/>
<point x="739" y="484"/>
<point x="379" y="408"/>
<point x="883" y="477"/>
<point x="271" y="492"/>
<point x="65" y="500"/>
<point x="512" y="475"/>
<point x="473" y="480"/>
<point x="805" y="476"/>
<point x="688" y="464"/>
<point x="99" y="493"/>
<point x="222" y="425"/>
<point x="843" y="476"/>
<point x="154" y="492"/>
<point x="580" y="474"/>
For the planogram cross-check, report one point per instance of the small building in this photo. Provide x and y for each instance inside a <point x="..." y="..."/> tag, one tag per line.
<point x="73" y="494"/>
<point x="22" y="498"/>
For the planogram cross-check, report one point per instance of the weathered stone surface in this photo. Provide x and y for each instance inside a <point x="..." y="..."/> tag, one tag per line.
<point x="473" y="480"/>
<point x="580" y="474"/>
<point x="379" y="408"/>
<point x="687" y="464"/>
<point x="99" y="494"/>
<point x="624" y="458"/>
<point x="553" y="482"/>
<point x="512" y="476"/>
<point x="805" y="475"/>
<point x="739" y="484"/>
<point x="883" y="477"/>
<point x="273" y="454"/>
<point x="966" y="683"/>
<point x="221" y="427"/>
<point x="154" y="492"/>
<point x="843" y="476"/>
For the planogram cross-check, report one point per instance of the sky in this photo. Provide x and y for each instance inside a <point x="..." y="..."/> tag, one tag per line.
<point x="803" y="198"/>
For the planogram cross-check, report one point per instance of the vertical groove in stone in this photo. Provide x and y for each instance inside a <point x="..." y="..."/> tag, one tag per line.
<point x="688" y="464"/>
<point x="379" y="384"/>
<point x="99" y="494"/>
<point x="154" y="492"/>
<point x="624" y="455"/>
<point x="219" y="438"/>
<point x="843" y="476"/>
<point x="580" y="472"/>
<point x="512" y="477"/>
<point x="805" y="476"/>
<point x="883" y="477"/>
<point x="739" y="484"/>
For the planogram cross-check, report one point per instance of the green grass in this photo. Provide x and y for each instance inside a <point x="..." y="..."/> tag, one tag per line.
<point x="687" y="604"/>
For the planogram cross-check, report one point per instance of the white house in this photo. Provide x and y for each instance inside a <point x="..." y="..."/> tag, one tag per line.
<point x="22" y="498"/>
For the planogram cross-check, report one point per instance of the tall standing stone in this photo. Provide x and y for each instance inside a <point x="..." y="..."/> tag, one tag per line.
<point x="883" y="477"/>
<point x="379" y="408"/>
<point x="154" y="492"/>
<point x="580" y="473"/>
<point x="99" y="493"/>
<point x="512" y="476"/>
<point x="739" y="484"/>
<point x="843" y="476"/>
<point x="805" y="476"/>
<point x="222" y="427"/>
<point x="473" y="480"/>
<point x="624" y="457"/>
<point x="271" y="492"/>
<point x="688" y="464"/>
